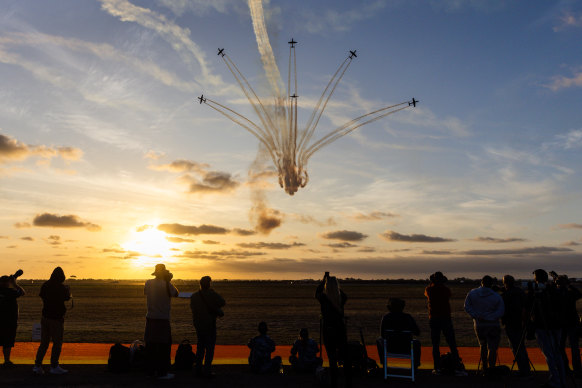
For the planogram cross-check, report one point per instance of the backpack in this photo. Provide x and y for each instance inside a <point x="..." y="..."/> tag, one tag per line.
<point x="118" y="361"/>
<point x="137" y="354"/>
<point x="185" y="356"/>
<point x="448" y="364"/>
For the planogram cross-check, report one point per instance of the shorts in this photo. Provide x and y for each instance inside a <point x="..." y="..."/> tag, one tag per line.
<point x="7" y="335"/>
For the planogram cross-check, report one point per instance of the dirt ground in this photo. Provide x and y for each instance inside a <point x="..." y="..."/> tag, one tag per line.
<point x="233" y="376"/>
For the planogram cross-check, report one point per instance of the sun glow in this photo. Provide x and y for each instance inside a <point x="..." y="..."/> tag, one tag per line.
<point x="149" y="246"/>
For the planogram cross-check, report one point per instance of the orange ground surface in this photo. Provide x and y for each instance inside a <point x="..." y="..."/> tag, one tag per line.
<point x="90" y="353"/>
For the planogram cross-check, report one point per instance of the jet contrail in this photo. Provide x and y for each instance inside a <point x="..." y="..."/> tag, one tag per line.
<point x="289" y="148"/>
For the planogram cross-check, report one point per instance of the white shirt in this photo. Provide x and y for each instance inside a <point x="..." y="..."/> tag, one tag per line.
<point x="158" y="300"/>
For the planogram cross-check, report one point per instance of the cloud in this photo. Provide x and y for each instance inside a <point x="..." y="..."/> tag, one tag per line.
<point x="68" y="221"/>
<point x="211" y="242"/>
<point x="571" y="244"/>
<point x="179" y="240"/>
<point x="13" y="150"/>
<point x="560" y="82"/>
<point x="518" y="251"/>
<point x="198" y="7"/>
<point x="568" y="20"/>
<point x="22" y="225"/>
<point x="342" y="245"/>
<point x="176" y="36"/>
<point x="266" y="218"/>
<point x="373" y="216"/>
<point x="243" y="232"/>
<point x="264" y="245"/>
<point x="212" y="182"/>
<point x="27" y="238"/>
<point x="572" y="139"/>
<point x="568" y="226"/>
<point x="54" y="240"/>
<point x="143" y="227"/>
<point x="192" y="230"/>
<point x="334" y="20"/>
<point x="344" y="235"/>
<point x="311" y="220"/>
<point x="154" y="155"/>
<point x="181" y="165"/>
<point x="393" y="236"/>
<point x="220" y="255"/>
<point x="436" y="252"/>
<point x="498" y="240"/>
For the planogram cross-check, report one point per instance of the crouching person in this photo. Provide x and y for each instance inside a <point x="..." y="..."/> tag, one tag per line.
<point x="261" y="347"/>
<point x="304" y="353"/>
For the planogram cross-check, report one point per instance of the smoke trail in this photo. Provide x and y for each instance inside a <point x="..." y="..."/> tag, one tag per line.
<point x="261" y="215"/>
<point x="267" y="57"/>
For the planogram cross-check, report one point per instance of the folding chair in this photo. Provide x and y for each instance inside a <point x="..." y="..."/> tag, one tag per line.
<point x="402" y="338"/>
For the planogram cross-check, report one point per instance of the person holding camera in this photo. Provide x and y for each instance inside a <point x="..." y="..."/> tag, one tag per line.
<point x="486" y="306"/>
<point x="439" y="315"/>
<point x="206" y="305"/>
<point x="54" y="294"/>
<point x="514" y="320"/>
<point x="158" y="334"/>
<point x="545" y="305"/>
<point x="332" y="300"/>
<point x="9" y="292"/>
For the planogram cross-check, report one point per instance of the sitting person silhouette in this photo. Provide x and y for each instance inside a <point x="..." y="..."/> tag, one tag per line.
<point x="398" y="321"/>
<point x="261" y="347"/>
<point x="304" y="353"/>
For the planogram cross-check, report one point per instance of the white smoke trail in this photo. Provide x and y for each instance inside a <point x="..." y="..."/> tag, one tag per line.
<point x="267" y="57"/>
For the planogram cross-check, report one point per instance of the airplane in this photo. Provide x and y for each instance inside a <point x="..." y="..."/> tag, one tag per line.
<point x="413" y="102"/>
<point x="353" y="54"/>
<point x="294" y="95"/>
<point x="292" y="43"/>
<point x="201" y="99"/>
<point x="221" y="52"/>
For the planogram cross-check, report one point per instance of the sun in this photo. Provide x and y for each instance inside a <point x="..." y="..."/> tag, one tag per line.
<point x="149" y="246"/>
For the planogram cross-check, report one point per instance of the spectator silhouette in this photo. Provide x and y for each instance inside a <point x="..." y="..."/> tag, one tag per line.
<point x="514" y="320"/>
<point x="397" y="320"/>
<point x="485" y="306"/>
<point x="332" y="300"/>
<point x="439" y="313"/>
<point x="261" y="347"/>
<point x="543" y="300"/>
<point x="54" y="294"/>
<point x="158" y="333"/>
<point x="206" y="305"/>
<point x="304" y="353"/>
<point x="569" y="295"/>
<point x="9" y="292"/>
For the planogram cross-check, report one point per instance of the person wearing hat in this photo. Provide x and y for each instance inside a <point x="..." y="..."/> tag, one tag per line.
<point x="439" y="314"/>
<point x="158" y="334"/>
<point x="399" y="321"/>
<point x="9" y="292"/>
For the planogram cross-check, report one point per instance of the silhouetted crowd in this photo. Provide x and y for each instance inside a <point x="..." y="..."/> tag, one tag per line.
<point x="545" y="310"/>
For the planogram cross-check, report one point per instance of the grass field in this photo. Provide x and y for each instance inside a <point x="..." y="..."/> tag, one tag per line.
<point x="115" y="311"/>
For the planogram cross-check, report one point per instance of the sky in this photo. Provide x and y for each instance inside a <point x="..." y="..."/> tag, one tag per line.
<point x="109" y="164"/>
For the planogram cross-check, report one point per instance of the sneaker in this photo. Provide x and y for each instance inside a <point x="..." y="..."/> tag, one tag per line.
<point x="461" y="372"/>
<point x="8" y="364"/>
<point x="167" y="376"/>
<point x="37" y="370"/>
<point x="437" y="372"/>
<point x="58" y="370"/>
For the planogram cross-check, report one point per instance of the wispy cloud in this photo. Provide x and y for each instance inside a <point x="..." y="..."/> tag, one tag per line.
<point x="342" y="245"/>
<point x="568" y="20"/>
<point x="243" y="232"/>
<point x="178" y="37"/>
<point x="373" y="216"/>
<point x="332" y="20"/>
<point x="422" y="238"/>
<point x="498" y="240"/>
<point x="517" y="251"/>
<point x="265" y="245"/>
<point x="568" y="226"/>
<point x="67" y="221"/>
<point x="344" y="235"/>
<point x="205" y="182"/>
<point x="560" y="82"/>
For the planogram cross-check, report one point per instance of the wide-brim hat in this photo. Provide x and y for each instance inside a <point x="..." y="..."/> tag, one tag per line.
<point x="160" y="269"/>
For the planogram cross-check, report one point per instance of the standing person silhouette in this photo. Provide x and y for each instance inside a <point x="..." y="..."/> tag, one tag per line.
<point x="332" y="300"/>
<point x="206" y="305"/>
<point x="439" y="313"/>
<point x="158" y="333"/>
<point x="9" y="292"/>
<point x="54" y="294"/>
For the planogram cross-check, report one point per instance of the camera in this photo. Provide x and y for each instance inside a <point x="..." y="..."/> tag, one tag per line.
<point x="17" y="274"/>
<point x="168" y="275"/>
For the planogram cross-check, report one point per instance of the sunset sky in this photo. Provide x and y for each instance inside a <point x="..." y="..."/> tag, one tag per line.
<point x="108" y="164"/>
